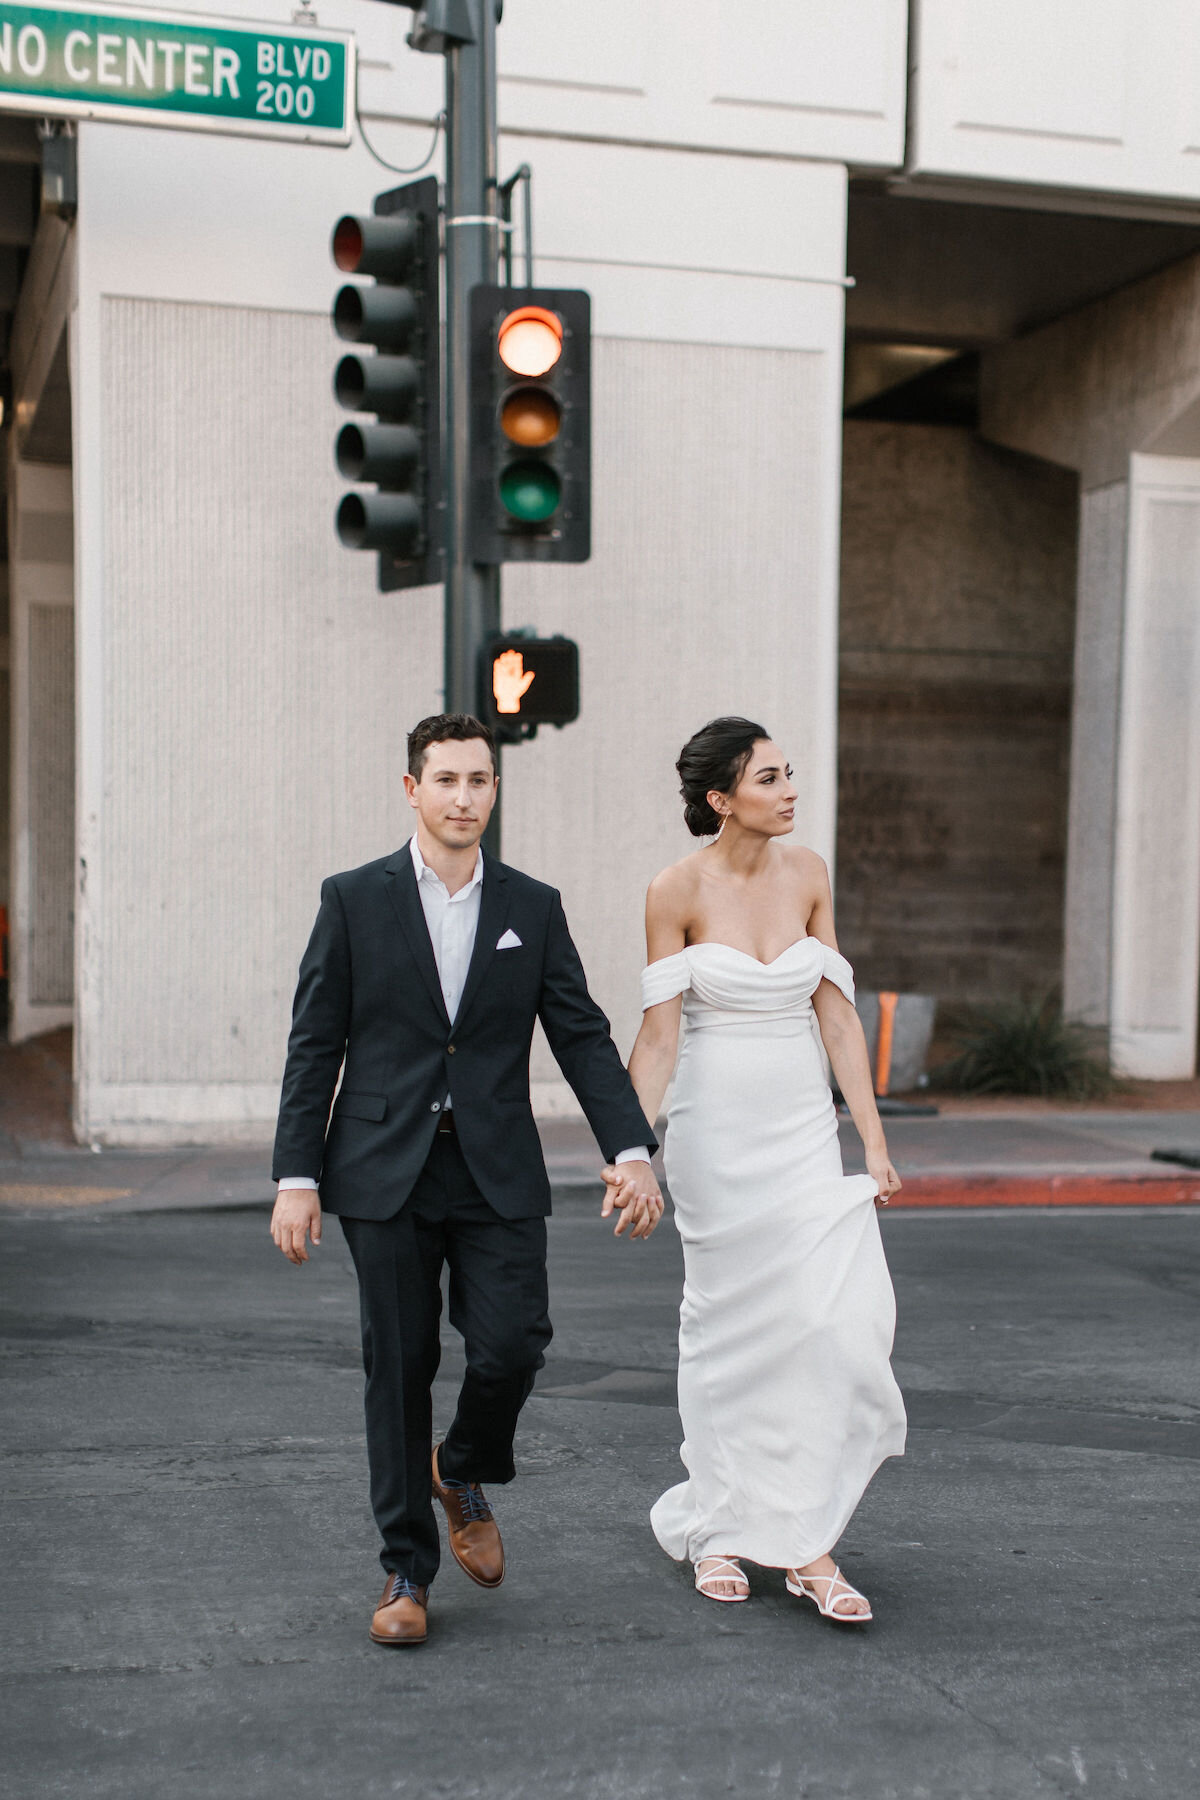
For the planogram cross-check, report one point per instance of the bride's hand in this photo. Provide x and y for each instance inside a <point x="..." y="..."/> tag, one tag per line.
<point x="880" y="1170"/>
<point x="634" y="1193"/>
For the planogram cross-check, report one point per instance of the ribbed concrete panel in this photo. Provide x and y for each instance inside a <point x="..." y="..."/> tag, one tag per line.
<point x="51" y="802"/>
<point x="1091" y="831"/>
<point x="1156" y="924"/>
<point x="708" y="592"/>
<point x="257" y="690"/>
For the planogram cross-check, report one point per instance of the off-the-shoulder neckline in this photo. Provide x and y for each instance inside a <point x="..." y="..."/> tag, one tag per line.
<point x="715" y="944"/>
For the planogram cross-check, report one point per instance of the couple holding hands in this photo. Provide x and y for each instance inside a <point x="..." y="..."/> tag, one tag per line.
<point x="421" y="985"/>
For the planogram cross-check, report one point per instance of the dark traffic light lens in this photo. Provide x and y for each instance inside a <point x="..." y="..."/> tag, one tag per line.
<point x="531" y="417"/>
<point x="383" y="316"/>
<point x="387" y="453"/>
<point x="347" y="245"/>
<point x="388" y="385"/>
<point x="530" y="340"/>
<point x="390" y="522"/>
<point x="530" y="491"/>
<point x="383" y="247"/>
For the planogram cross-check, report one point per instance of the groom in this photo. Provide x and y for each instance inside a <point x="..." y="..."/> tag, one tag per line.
<point x="421" y="983"/>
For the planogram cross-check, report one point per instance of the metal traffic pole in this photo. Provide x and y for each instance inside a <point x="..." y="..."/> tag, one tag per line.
<point x="472" y="603"/>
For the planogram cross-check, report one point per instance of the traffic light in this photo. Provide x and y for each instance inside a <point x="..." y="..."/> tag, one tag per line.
<point x="531" y="440"/>
<point x="528" y="681"/>
<point x="398" y="382"/>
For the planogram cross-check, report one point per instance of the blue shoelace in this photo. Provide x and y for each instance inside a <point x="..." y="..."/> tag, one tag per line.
<point x="475" y="1507"/>
<point x="402" y="1588"/>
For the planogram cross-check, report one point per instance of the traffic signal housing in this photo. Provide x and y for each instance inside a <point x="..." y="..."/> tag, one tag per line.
<point x="531" y="439"/>
<point x="528" y="681"/>
<point x="395" y="376"/>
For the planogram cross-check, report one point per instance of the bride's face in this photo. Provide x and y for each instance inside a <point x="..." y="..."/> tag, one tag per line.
<point x="764" y="800"/>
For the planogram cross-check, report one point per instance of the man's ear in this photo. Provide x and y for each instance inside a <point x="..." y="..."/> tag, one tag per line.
<point x="410" y="788"/>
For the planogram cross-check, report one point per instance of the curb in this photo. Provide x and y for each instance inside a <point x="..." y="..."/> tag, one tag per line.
<point x="1048" y="1190"/>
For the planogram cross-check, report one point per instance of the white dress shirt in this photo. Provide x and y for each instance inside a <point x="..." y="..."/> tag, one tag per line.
<point x="452" y="921"/>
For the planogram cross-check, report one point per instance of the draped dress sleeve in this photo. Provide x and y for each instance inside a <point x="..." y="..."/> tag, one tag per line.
<point x="834" y="967"/>
<point x="663" y="979"/>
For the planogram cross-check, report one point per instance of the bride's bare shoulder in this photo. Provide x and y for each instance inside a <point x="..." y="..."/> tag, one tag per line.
<point x="674" y="886"/>
<point x="801" y="857"/>
<point x="806" y="865"/>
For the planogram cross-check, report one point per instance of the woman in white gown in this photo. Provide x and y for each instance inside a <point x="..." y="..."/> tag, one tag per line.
<point x="786" y="1392"/>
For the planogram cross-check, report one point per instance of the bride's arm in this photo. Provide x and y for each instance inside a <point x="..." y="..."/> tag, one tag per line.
<point x="842" y="1036"/>
<point x="653" y="1059"/>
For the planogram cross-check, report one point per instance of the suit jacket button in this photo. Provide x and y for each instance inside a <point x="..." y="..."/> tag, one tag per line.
<point x="449" y="1049"/>
<point x="436" y="1107"/>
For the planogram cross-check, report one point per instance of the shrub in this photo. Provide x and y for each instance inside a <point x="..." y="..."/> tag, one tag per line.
<point x="1025" y="1047"/>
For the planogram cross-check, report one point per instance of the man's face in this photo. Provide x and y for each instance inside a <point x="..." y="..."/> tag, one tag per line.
<point x="456" y="793"/>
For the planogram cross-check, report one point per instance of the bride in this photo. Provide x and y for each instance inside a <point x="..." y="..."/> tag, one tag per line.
<point x="786" y="1393"/>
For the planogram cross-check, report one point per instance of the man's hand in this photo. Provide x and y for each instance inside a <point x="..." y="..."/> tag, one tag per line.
<point x="633" y="1191"/>
<point x="297" y="1213"/>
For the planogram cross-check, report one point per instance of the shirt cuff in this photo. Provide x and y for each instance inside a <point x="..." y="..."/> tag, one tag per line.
<point x="641" y="1154"/>
<point x="297" y="1181"/>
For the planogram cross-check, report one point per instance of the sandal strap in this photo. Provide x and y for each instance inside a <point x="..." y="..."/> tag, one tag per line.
<point x="736" y="1571"/>
<point x="830" y="1601"/>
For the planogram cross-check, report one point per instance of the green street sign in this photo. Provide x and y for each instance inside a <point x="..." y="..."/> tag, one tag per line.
<point x="182" y="69"/>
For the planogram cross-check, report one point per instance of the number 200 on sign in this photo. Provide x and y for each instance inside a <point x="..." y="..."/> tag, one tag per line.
<point x="280" y="98"/>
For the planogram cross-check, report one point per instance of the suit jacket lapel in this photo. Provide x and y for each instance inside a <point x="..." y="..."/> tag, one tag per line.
<point x="493" y="914"/>
<point x="401" y="882"/>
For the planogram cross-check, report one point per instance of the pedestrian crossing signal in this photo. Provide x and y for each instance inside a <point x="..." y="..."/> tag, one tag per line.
<point x="528" y="681"/>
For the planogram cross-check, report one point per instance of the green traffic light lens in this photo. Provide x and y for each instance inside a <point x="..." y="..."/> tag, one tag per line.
<point x="530" y="491"/>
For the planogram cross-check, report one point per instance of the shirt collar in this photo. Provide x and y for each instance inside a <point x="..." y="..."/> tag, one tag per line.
<point x="424" y="871"/>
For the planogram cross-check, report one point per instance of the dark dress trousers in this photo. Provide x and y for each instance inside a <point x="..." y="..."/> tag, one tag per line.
<point x="412" y="1198"/>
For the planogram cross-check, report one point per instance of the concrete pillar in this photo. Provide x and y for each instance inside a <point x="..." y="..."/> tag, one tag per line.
<point x="1156" y="840"/>
<point x="1092" y="809"/>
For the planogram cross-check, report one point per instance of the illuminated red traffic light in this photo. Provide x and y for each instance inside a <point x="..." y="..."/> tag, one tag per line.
<point x="530" y="340"/>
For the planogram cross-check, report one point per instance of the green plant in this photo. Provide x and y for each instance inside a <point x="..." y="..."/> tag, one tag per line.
<point x="1025" y="1047"/>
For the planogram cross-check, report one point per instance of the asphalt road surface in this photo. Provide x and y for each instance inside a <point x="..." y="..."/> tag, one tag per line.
<point x="190" y="1566"/>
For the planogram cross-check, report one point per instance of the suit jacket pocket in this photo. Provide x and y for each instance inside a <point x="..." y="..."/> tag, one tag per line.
<point x="360" y="1106"/>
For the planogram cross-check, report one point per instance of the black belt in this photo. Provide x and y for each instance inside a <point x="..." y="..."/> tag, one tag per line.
<point x="445" y="1125"/>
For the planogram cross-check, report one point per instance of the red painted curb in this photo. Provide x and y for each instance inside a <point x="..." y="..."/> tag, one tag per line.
<point x="1050" y="1190"/>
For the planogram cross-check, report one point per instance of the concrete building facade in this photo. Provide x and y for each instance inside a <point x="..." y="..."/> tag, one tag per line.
<point x="207" y="697"/>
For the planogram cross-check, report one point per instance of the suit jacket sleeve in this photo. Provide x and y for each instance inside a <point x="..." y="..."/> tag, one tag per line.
<point x="320" y="1023"/>
<point x="578" y="1034"/>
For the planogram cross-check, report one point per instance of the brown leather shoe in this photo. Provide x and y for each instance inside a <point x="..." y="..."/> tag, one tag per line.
<point x="400" y="1617"/>
<point x="474" y="1535"/>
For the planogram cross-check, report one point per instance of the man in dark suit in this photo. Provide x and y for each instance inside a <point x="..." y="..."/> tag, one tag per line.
<point x="421" y="984"/>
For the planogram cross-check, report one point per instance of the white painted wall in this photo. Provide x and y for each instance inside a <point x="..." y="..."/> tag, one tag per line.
<point x="1156" y="894"/>
<point x="1071" y="95"/>
<point x="244" y="691"/>
<point x="778" y="77"/>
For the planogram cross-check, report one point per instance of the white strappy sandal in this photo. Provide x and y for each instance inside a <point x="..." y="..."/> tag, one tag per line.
<point x="726" y="1568"/>
<point x="837" y="1589"/>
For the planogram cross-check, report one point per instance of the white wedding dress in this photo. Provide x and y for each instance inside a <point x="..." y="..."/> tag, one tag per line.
<point x="786" y="1392"/>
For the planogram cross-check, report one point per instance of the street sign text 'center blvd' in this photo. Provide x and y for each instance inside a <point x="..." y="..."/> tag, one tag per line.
<point x="182" y="69"/>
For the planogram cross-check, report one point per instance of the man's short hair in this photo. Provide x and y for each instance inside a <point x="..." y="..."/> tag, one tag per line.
<point x="441" y="728"/>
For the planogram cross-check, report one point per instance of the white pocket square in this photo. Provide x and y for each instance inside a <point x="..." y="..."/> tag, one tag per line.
<point x="510" y="941"/>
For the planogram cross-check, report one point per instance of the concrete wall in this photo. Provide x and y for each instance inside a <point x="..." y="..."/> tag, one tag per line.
<point x="41" y="597"/>
<point x="1081" y="94"/>
<point x="244" y="691"/>
<point x="957" y="614"/>
<point x="1097" y="390"/>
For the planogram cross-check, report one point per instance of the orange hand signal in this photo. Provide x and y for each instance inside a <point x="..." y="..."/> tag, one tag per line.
<point x="510" y="679"/>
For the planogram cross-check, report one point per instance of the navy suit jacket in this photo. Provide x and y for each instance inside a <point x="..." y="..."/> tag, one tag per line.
<point x="369" y="995"/>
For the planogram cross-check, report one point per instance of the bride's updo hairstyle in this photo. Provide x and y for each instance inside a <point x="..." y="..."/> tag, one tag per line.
<point x="715" y="757"/>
